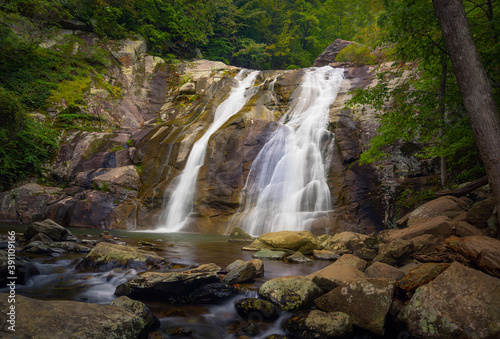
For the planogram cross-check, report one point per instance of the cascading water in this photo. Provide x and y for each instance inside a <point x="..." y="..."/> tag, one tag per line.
<point x="180" y="204"/>
<point x="287" y="186"/>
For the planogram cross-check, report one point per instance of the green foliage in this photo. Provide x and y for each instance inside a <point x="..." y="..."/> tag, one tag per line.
<point x="358" y="54"/>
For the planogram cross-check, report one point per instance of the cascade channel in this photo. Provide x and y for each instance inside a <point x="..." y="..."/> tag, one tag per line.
<point x="180" y="205"/>
<point x="287" y="188"/>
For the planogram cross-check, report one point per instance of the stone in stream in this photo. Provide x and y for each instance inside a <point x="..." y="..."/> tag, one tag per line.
<point x="238" y="235"/>
<point x="256" y="309"/>
<point x="325" y="255"/>
<point x="48" y="227"/>
<point x="269" y="254"/>
<point x="243" y="272"/>
<point x="298" y="257"/>
<point x="43" y="319"/>
<point x="172" y="285"/>
<point x="301" y="241"/>
<point x="291" y="292"/>
<point x="211" y="294"/>
<point x="319" y="325"/>
<point x="139" y="308"/>
<point x="366" y="301"/>
<point x="24" y="269"/>
<point x="461" y="302"/>
<point x="106" y="256"/>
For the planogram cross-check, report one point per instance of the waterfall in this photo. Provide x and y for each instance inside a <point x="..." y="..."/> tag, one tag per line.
<point x="180" y="204"/>
<point x="287" y="187"/>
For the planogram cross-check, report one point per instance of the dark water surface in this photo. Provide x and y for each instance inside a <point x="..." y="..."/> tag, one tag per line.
<point x="59" y="279"/>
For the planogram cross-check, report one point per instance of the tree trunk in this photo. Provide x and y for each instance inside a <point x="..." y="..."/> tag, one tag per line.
<point x="474" y="87"/>
<point x="442" y="107"/>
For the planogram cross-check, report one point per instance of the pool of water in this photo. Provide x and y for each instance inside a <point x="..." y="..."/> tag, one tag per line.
<point x="59" y="279"/>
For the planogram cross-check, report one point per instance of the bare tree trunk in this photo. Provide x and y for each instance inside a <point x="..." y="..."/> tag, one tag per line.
<point x="474" y="87"/>
<point x="442" y="93"/>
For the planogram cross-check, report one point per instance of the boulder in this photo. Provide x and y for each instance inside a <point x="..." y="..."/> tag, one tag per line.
<point x="71" y="319"/>
<point x="345" y="240"/>
<point x="139" y="308"/>
<point x="394" y="252"/>
<point x="334" y="275"/>
<point x="238" y="235"/>
<point x="269" y="254"/>
<point x="48" y="227"/>
<point x="243" y="272"/>
<point x="460" y="303"/>
<point x="302" y="241"/>
<point x="318" y="324"/>
<point x="381" y="270"/>
<point x="480" y="212"/>
<point x="256" y="309"/>
<point x="366" y="301"/>
<point x="291" y="292"/>
<point x="234" y="264"/>
<point x="170" y="284"/>
<point x="447" y="206"/>
<point x="440" y="226"/>
<point x="105" y="256"/>
<point x="366" y="253"/>
<point x="353" y="260"/>
<point x="325" y="255"/>
<point x="55" y="247"/>
<point x="482" y="251"/>
<point x="421" y="275"/>
<point x="298" y="257"/>
<point x="210" y="294"/>
<point x="259" y="266"/>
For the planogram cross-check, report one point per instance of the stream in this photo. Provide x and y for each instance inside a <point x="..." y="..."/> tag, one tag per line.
<point x="60" y="281"/>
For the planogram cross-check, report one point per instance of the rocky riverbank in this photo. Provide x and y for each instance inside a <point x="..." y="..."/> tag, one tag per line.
<point x="438" y="276"/>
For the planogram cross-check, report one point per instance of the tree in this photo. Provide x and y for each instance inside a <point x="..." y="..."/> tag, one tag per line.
<point x="474" y="86"/>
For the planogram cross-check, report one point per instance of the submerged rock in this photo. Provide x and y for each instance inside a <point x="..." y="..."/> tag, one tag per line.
<point x="366" y="301"/>
<point x="460" y="303"/>
<point x="72" y="319"/>
<point x="269" y="254"/>
<point x="106" y="256"/>
<point x="290" y="293"/>
<point x="318" y="325"/>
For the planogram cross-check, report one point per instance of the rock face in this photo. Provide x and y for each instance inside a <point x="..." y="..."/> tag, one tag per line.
<point x="443" y="307"/>
<point x="330" y="53"/>
<point x="66" y="319"/>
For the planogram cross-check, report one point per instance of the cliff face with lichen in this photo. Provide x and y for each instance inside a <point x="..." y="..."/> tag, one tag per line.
<point x="123" y="177"/>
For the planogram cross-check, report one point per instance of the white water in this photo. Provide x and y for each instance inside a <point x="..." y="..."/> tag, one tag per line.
<point x="286" y="188"/>
<point x="180" y="204"/>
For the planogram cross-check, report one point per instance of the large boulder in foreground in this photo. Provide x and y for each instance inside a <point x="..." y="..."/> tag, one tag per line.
<point x="290" y="293"/>
<point x="366" y="301"/>
<point x="70" y="319"/>
<point x="460" y="303"/>
<point x="106" y="256"/>
<point x="335" y="274"/>
<point x="320" y="325"/>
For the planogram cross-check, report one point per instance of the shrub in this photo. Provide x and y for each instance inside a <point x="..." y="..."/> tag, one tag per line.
<point x="358" y="54"/>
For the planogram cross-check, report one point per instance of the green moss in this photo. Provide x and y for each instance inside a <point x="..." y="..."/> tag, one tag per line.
<point x="71" y="91"/>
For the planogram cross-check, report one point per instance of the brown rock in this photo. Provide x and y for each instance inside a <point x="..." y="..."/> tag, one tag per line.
<point x="381" y="270"/>
<point x="353" y="260"/>
<point x="483" y="251"/>
<point x="421" y="275"/>
<point x="334" y="275"/>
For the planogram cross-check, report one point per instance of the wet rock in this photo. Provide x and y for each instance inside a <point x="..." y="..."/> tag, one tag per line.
<point x="23" y="271"/>
<point x="211" y="293"/>
<point x="334" y="275"/>
<point x="447" y="206"/>
<point x="238" y="235"/>
<point x="269" y="254"/>
<point x="259" y="267"/>
<point x="482" y="251"/>
<point x="318" y="324"/>
<point x="170" y="284"/>
<point x="460" y="303"/>
<point x="381" y="270"/>
<point x="233" y="265"/>
<point x="344" y="240"/>
<point x="48" y="227"/>
<point x="298" y="257"/>
<point x="243" y="272"/>
<point x="366" y="301"/>
<point x="353" y="260"/>
<point x="42" y="238"/>
<point x="421" y="275"/>
<point x="291" y="292"/>
<point x="67" y="319"/>
<point x="301" y="241"/>
<point x="105" y="257"/>
<point x="256" y="309"/>
<point x="39" y="247"/>
<point x="325" y="255"/>
<point x="139" y="308"/>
